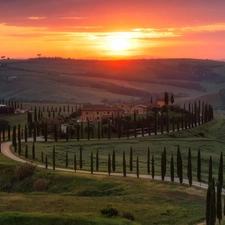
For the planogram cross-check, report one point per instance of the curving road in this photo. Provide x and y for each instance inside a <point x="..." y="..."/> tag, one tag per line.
<point x="5" y="149"/>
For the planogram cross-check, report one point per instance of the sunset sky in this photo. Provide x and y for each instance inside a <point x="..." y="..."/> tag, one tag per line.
<point x="105" y="29"/>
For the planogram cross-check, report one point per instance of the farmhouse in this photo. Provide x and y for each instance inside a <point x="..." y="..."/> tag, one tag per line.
<point x="98" y="112"/>
<point x="130" y="108"/>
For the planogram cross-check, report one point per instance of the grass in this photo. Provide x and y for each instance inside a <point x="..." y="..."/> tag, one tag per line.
<point x="207" y="138"/>
<point x="85" y="195"/>
<point x="73" y="196"/>
<point x="53" y="219"/>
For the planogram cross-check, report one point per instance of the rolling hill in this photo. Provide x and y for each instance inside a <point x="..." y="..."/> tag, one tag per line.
<point x="80" y="81"/>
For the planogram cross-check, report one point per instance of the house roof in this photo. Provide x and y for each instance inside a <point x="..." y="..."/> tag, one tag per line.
<point x="100" y="108"/>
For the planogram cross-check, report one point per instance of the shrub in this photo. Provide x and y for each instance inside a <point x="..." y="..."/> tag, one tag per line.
<point x="128" y="215"/>
<point x="109" y="211"/>
<point x="24" y="171"/>
<point x="41" y="185"/>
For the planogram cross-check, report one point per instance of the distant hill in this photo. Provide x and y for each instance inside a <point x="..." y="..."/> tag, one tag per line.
<point x="68" y="80"/>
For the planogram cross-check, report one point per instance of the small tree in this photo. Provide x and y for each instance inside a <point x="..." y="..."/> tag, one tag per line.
<point x="153" y="167"/>
<point x="172" y="169"/>
<point x="166" y="98"/>
<point x="114" y="161"/>
<point x="131" y="159"/>
<point x="109" y="164"/>
<point x="92" y="162"/>
<point x="97" y="161"/>
<point x="124" y="165"/>
<point x="148" y="161"/>
<point x="137" y="167"/>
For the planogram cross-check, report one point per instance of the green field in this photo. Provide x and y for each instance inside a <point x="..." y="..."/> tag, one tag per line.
<point x="81" y="196"/>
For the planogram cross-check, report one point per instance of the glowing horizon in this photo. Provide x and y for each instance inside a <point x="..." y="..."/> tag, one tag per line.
<point x="112" y="29"/>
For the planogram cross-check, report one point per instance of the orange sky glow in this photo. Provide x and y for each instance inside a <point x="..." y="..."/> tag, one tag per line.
<point x="100" y="29"/>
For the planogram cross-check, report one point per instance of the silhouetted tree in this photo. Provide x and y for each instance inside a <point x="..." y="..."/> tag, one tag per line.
<point x="137" y="167"/>
<point x="131" y="159"/>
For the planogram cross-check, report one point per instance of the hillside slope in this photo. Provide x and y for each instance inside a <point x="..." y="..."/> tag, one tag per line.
<point x="67" y="80"/>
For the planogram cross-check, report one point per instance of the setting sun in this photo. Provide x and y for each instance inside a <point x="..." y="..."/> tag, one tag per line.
<point x="118" y="43"/>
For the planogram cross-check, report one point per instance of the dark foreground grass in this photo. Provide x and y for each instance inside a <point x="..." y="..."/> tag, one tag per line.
<point x="63" y="219"/>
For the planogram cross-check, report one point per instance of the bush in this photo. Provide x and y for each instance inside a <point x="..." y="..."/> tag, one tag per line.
<point x="24" y="171"/>
<point x="128" y="215"/>
<point x="109" y="211"/>
<point x="41" y="185"/>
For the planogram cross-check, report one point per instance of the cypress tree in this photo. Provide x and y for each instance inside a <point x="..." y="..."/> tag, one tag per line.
<point x="109" y="133"/>
<point x="224" y="206"/>
<point x="172" y="99"/>
<point x="78" y="131"/>
<point x="46" y="132"/>
<point x="148" y="161"/>
<point x="35" y="114"/>
<point x="33" y="151"/>
<point x="81" y="164"/>
<point x="167" y="122"/>
<point x="219" y="202"/>
<point x="124" y="164"/>
<point x="162" y="165"/>
<point x="155" y="123"/>
<point x="173" y="123"/>
<point x="82" y="130"/>
<point x="114" y="161"/>
<point x="153" y="167"/>
<point x="66" y="158"/>
<point x="172" y="169"/>
<point x="135" y="124"/>
<point x="98" y="130"/>
<point x="97" y="161"/>
<point x="55" y="133"/>
<point x="189" y="167"/>
<point x="166" y="98"/>
<point x="26" y="152"/>
<point x="131" y="159"/>
<point x="92" y="162"/>
<point x="109" y="164"/>
<point x="210" y="170"/>
<point x="67" y="133"/>
<point x="178" y="160"/>
<point x="46" y="162"/>
<point x="137" y="166"/>
<point x="88" y="128"/>
<point x="220" y="173"/>
<point x="19" y="140"/>
<point x="53" y="158"/>
<point x="25" y="133"/>
<point x="161" y="122"/>
<point x="9" y="132"/>
<point x="199" y="166"/>
<point x="34" y="132"/>
<point x="75" y="162"/>
<point x="181" y="170"/>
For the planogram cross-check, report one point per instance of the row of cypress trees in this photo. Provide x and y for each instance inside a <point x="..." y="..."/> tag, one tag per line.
<point x="150" y="163"/>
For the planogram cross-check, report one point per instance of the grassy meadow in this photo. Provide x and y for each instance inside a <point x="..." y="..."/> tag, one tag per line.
<point x="72" y="197"/>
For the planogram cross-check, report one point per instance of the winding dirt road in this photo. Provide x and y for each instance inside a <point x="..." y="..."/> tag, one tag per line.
<point x="5" y="149"/>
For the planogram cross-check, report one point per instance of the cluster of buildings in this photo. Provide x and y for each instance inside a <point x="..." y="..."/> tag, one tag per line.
<point x="98" y="112"/>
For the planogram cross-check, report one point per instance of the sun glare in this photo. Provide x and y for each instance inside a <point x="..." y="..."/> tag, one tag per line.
<point x="118" y="43"/>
